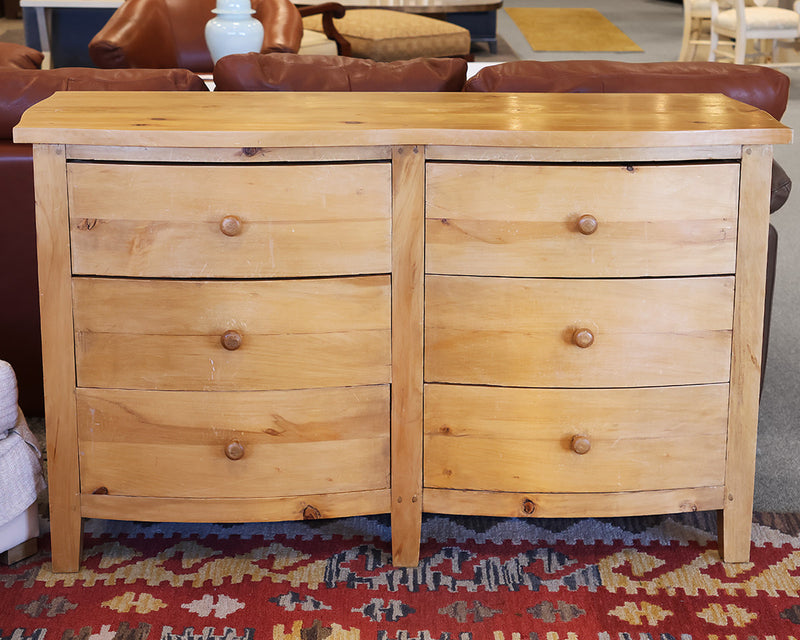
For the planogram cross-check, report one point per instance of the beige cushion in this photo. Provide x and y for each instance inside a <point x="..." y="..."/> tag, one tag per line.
<point x="760" y="18"/>
<point x="316" y="43"/>
<point x="385" y="35"/>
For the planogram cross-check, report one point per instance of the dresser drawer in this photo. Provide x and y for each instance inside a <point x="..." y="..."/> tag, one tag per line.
<point x="581" y="221"/>
<point x="501" y="439"/>
<point x="230" y="221"/>
<point x="527" y="332"/>
<point x="233" y="444"/>
<point x="215" y="335"/>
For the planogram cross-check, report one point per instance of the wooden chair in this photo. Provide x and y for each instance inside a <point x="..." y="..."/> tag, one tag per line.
<point x="749" y="28"/>
<point x="165" y="34"/>
<point x="696" y="17"/>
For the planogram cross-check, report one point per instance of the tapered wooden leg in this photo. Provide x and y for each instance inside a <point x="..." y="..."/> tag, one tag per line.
<point x="408" y="223"/>
<point x="66" y="541"/>
<point x="58" y="353"/>
<point x="748" y="330"/>
<point x="734" y="532"/>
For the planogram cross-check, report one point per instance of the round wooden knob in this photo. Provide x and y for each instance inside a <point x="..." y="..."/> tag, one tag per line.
<point x="231" y="340"/>
<point x="587" y="224"/>
<point x="583" y="338"/>
<point x="234" y="450"/>
<point x="581" y="444"/>
<point x="230" y="226"/>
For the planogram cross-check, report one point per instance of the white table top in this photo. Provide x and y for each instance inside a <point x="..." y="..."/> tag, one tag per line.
<point x="72" y="4"/>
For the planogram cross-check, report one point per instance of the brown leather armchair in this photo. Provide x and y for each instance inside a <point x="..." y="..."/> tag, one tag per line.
<point x="167" y="34"/>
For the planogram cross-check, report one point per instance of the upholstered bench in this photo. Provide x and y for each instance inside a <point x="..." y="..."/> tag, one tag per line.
<point x="20" y="475"/>
<point x="386" y="35"/>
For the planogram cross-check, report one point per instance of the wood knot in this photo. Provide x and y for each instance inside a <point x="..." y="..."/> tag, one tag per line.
<point x="528" y="506"/>
<point x="311" y="513"/>
<point x="87" y="224"/>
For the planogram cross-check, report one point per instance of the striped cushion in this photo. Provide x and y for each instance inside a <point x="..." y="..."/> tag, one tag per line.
<point x="385" y="35"/>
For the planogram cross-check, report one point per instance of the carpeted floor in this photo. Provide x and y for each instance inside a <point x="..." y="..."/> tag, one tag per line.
<point x="479" y="578"/>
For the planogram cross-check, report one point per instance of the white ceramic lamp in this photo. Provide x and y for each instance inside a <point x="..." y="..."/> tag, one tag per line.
<point x="233" y="29"/>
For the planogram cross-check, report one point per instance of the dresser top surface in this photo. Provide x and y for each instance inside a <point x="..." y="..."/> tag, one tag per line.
<point x="193" y="119"/>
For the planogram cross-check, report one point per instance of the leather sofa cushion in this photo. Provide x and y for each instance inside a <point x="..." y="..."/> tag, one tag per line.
<point x="19" y="56"/>
<point x="761" y="87"/>
<point x="22" y="88"/>
<point x="290" y="72"/>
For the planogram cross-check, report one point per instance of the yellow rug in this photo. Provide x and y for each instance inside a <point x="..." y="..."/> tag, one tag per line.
<point x="570" y="30"/>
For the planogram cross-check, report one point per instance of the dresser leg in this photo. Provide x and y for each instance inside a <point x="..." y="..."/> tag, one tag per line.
<point x="66" y="540"/>
<point x="734" y="527"/>
<point x="406" y="528"/>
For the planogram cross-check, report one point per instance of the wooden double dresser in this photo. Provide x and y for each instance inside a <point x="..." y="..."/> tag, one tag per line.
<point x="279" y="306"/>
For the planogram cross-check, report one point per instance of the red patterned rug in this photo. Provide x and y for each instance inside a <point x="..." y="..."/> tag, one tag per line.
<point x="655" y="578"/>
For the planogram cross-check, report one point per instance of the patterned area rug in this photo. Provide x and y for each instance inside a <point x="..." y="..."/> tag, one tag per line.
<point x="569" y="29"/>
<point x="655" y="578"/>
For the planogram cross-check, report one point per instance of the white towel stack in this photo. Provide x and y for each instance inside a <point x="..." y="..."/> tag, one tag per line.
<point x="20" y="466"/>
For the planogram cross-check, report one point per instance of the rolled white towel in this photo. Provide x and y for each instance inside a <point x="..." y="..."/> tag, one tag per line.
<point x="21" y="476"/>
<point x="8" y="398"/>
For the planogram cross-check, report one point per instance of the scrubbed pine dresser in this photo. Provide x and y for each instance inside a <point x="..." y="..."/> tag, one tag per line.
<point x="279" y="306"/>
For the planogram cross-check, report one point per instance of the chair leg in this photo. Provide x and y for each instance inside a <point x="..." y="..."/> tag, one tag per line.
<point x="687" y="36"/>
<point x="712" y="47"/>
<point x="739" y="50"/>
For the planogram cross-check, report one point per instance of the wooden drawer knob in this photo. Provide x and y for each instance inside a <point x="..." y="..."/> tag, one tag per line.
<point x="583" y="338"/>
<point x="587" y="224"/>
<point x="234" y="450"/>
<point x="230" y="226"/>
<point x="581" y="444"/>
<point x="231" y="340"/>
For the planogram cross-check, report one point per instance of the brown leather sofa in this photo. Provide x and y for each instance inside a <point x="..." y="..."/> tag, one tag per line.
<point x="22" y="84"/>
<point x="289" y="72"/>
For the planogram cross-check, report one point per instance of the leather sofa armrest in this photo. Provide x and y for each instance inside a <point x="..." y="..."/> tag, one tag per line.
<point x="136" y="36"/>
<point x="19" y="56"/>
<point x="329" y="11"/>
<point x="780" y="189"/>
